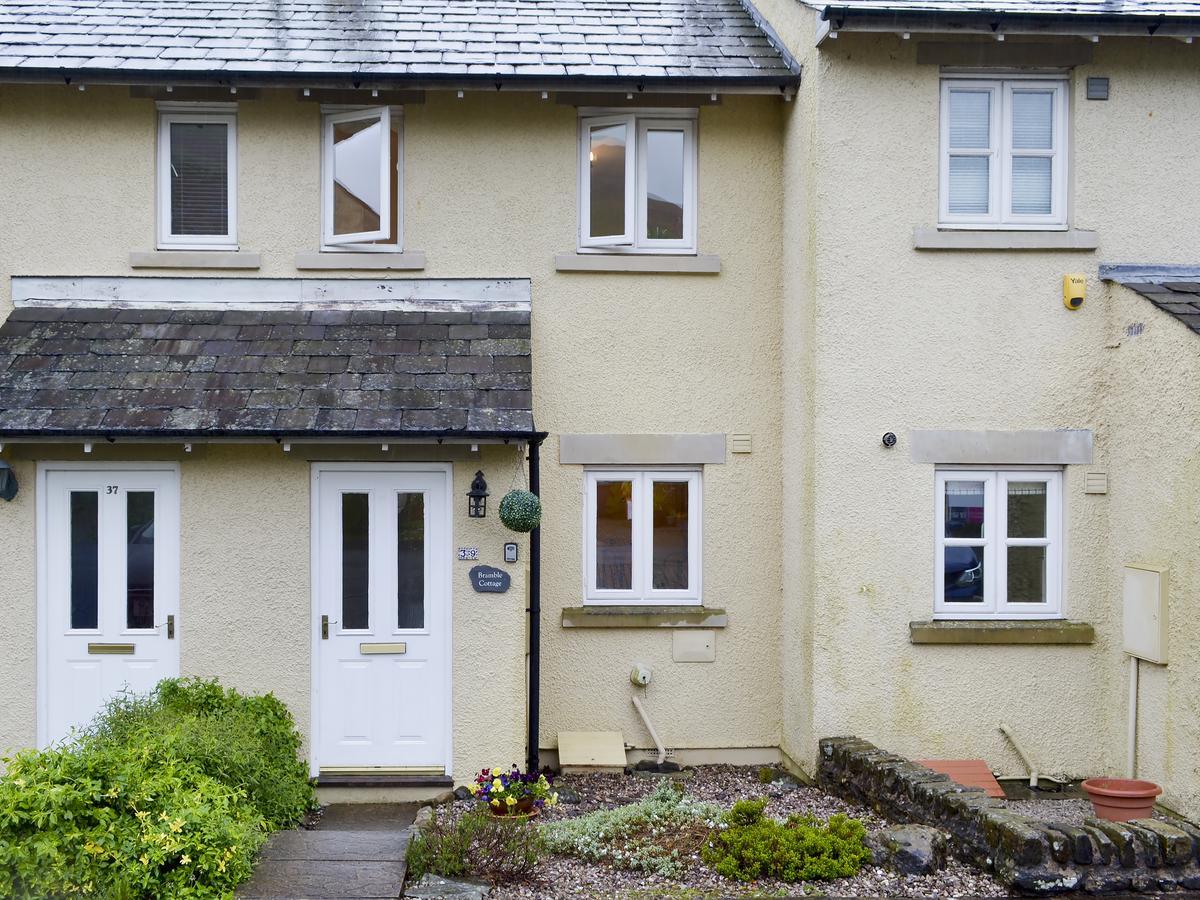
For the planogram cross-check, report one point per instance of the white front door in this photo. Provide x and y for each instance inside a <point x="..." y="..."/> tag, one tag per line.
<point x="109" y="553"/>
<point x="382" y="579"/>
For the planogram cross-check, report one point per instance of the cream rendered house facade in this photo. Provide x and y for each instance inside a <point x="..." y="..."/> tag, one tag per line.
<point x="279" y="287"/>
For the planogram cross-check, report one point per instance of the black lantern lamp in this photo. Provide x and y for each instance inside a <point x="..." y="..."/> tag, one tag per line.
<point x="8" y="482"/>
<point x="477" y="497"/>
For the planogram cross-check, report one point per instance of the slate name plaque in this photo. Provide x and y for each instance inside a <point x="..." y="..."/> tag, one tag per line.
<point x="490" y="580"/>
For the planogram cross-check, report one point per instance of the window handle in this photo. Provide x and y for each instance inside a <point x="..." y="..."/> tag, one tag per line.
<point x="325" y="623"/>
<point x="170" y="623"/>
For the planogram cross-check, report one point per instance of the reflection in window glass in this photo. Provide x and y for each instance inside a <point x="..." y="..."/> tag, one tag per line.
<point x="964" y="509"/>
<point x="970" y="119"/>
<point x="355" y="560"/>
<point x="964" y="574"/>
<point x="1026" y="574"/>
<point x="85" y="523"/>
<point x="139" y="559"/>
<point x="199" y="178"/>
<point x="664" y="185"/>
<point x="614" y="535"/>
<point x="1033" y="120"/>
<point x="606" y="152"/>
<point x="357" y="191"/>
<point x="670" y="536"/>
<point x="410" y="560"/>
<point x="1027" y="509"/>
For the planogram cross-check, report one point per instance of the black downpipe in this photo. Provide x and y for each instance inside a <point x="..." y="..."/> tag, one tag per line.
<point x="535" y="617"/>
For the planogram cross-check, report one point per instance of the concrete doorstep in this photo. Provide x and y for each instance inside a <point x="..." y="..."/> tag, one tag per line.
<point x="356" y="852"/>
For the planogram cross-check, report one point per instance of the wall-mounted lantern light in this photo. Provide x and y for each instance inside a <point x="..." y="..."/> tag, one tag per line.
<point x="8" y="482"/>
<point x="477" y="497"/>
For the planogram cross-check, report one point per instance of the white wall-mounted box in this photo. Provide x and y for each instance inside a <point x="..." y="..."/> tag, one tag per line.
<point x="1146" y="612"/>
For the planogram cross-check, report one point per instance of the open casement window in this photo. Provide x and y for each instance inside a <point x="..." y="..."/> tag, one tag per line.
<point x="999" y="544"/>
<point x="642" y="537"/>
<point x="197" y="178"/>
<point x="638" y="183"/>
<point x="360" y="179"/>
<point x="1003" y="153"/>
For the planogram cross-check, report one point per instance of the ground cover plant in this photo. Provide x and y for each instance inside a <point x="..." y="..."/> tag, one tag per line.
<point x="476" y="843"/>
<point x="170" y="794"/>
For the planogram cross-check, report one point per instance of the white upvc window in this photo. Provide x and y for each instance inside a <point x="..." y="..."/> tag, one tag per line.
<point x="197" y="176"/>
<point x="361" y="179"/>
<point x="637" y="182"/>
<point x="642" y="537"/>
<point x="999" y="544"/>
<point x="1003" y="153"/>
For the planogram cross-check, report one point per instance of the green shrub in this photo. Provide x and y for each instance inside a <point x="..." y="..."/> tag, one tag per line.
<point x="476" y="843"/>
<point x="654" y="835"/>
<point x="169" y="795"/>
<point x="751" y="846"/>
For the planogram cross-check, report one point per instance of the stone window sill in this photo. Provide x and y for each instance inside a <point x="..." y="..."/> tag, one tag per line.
<point x="410" y="261"/>
<point x="637" y="262"/>
<point x="1071" y="239"/>
<point x="643" y="617"/>
<point x="1023" y="631"/>
<point x="194" y="259"/>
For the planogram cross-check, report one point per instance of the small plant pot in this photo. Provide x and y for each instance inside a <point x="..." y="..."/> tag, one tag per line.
<point x="1121" y="799"/>
<point x="524" y="809"/>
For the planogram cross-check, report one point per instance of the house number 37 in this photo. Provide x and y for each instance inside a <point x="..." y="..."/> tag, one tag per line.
<point x="111" y="489"/>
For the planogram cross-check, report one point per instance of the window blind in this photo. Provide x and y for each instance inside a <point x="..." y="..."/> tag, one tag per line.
<point x="199" y="178"/>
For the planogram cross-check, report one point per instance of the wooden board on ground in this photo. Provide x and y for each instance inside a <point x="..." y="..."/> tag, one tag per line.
<point x="967" y="772"/>
<point x="581" y="752"/>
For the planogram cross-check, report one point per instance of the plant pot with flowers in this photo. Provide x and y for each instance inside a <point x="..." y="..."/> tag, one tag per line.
<point x="511" y="792"/>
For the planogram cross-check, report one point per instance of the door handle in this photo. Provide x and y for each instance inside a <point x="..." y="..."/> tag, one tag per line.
<point x="170" y="623"/>
<point x="325" y="623"/>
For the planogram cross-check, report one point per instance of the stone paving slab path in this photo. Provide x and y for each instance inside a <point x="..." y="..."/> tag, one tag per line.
<point x="356" y="852"/>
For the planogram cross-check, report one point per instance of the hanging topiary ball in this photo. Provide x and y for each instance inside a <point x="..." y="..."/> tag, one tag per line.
<point x="520" y="511"/>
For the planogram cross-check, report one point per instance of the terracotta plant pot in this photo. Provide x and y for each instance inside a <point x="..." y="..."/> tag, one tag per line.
<point x="1121" y="799"/>
<point x="524" y="809"/>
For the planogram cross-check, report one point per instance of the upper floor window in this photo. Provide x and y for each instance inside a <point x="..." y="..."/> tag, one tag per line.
<point x="197" y="177"/>
<point x="637" y="182"/>
<point x="361" y="166"/>
<point x="999" y="544"/>
<point x="1004" y="153"/>
<point x="642" y="536"/>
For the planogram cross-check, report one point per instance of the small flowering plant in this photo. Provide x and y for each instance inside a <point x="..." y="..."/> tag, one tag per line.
<point x="513" y="792"/>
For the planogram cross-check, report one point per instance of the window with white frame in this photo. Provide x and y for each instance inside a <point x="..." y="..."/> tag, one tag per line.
<point x="1004" y="153"/>
<point x="999" y="544"/>
<point x="642" y="536"/>
<point x="361" y="168"/>
<point x="197" y="177"/>
<point x="637" y="182"/>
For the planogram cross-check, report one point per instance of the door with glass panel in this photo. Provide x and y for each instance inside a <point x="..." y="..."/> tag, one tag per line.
<point x="383" y="624"/>
<point x="110" y="571"/>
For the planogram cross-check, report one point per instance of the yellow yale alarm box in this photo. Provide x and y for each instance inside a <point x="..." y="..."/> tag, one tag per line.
<point x="1074" y="288"/>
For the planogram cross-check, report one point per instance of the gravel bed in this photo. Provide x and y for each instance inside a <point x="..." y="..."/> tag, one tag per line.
<point x="1070" y="811"/>
<point x="566" y="877"/>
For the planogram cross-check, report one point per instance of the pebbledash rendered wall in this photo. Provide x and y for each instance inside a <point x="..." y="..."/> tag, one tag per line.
<point x="882" y="337"/>
<point x="490" y="191"/>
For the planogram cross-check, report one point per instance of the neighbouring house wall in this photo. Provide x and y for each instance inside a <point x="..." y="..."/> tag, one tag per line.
<point x="907" y="339"/>
<point x="490" y="191"/>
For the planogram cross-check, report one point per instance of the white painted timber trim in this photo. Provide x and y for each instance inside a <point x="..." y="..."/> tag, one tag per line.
<point x="1058" y="448"/>
<point x="273" y="293"/>
<point x="411" y="260"/>
<point x="965" y="239"/>
<point x="194" y="259"/>
<point x="641" y="449"/>
<point x="637" y="262"/>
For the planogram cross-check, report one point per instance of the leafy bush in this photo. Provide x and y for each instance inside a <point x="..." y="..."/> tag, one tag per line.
<point x="166" y="795"/>
<point x="752" y="846"/>
<point x="653" y="835"/>
<point x="476" y="843"/>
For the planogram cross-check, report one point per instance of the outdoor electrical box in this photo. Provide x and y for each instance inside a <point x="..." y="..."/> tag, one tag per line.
<point x="1146" y="612"/>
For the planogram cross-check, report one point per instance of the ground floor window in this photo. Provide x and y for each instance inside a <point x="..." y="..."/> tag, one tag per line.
<point x="642" y="536"/>
<point x="999" y="544"/>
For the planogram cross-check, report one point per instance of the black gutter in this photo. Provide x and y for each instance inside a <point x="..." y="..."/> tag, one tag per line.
<point x="214" y="435"/>
<point x="1127" y="24"/>
<point x="533" y="718"/>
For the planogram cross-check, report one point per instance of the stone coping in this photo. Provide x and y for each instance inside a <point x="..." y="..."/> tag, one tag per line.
<point x="980" y="631"/>
<point x="643" y="617"/>
<point x="1033" y="856"/>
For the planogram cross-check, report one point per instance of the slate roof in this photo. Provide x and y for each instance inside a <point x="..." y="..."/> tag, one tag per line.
<point x="288" y="373"/>
<point x="1107" y="8"/>
<point x="711" y="40"/>
<point x="1173" y="289"/>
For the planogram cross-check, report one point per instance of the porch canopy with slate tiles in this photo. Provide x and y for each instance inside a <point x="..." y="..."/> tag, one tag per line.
<point x="392" y="369"/>
<point x="1174" y="289"/>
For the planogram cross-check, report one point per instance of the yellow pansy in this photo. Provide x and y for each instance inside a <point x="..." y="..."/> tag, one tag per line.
<point x="495" y="803"/>
<point x="511" y="801"/>
<point x="474" y="789"/>
<point x="497" y="785"/>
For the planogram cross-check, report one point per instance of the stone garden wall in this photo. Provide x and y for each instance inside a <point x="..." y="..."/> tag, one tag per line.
<point x="1027" y="854"/>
